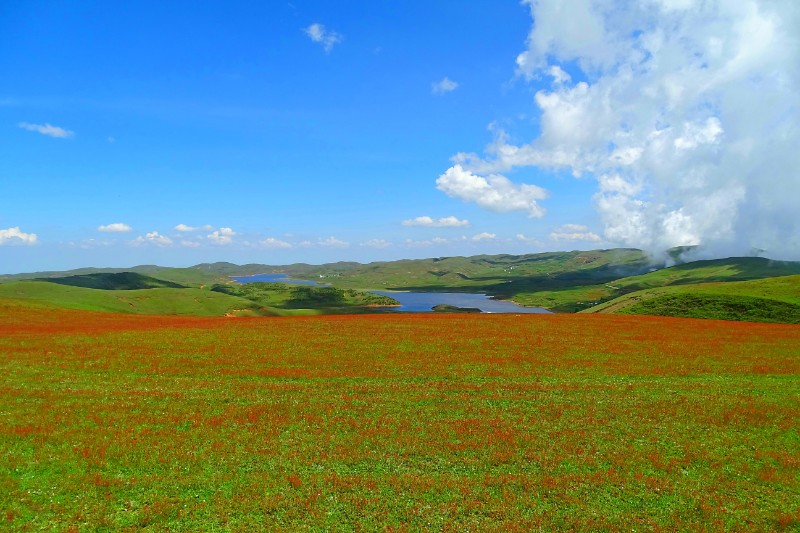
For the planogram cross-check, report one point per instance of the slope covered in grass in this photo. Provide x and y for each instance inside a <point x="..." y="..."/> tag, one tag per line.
<point x="164" y="301"/>
<point x="114" y="281"/>
<point x="288" y="296"/>
<point x="731" y="269"/>
<point x="764" y="300"/>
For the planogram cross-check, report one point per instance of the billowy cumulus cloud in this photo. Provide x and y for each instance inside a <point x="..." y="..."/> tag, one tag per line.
<point x="47" y="129"/>
<point x="222" y="236"/>
<point x="152" y="238"/>
<point x="17" y="236"/>
<point x="685" y="113"/>
<point x="492" y="191"/>
<point x="319" y="34"/>
<point x="444" y="222"/>
<point x="116" y="227"/>
<point x="446" y="85"/>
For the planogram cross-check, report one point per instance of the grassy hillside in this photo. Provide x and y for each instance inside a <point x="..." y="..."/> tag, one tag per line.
<point x="560" y="281"/>
<point x="765" y="300"/>
<point x="718" y="270"/>
<point x="183" y="276"/>
<point x="288" y="296"/>
<point x="163" y="301"/>
<point x="718" y="307"/>
<point x="114" y="281"/>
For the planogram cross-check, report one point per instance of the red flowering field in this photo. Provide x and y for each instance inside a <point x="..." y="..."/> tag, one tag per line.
<point x="397" y="422"/>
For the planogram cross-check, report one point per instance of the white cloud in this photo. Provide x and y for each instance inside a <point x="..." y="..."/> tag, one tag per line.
<point x="152" y="238"/>
<point x="528" y="240"/>
<point x="190" y="244"/>
<point x="573" y="232"/>
<point x="16" y="236"/>
<point x="493" y="192"/>
<point x="116" y="227"/>
<point x="222" y="236"/>
<point x="686" y="116"/>
<point x="327" y="38"/>
<point x="444" y="222"/>
<point x="376" y="243"/>
<point x="446" y="85"/>
<point x="47" y="129"/>
<point x="484" y="236"/>
<point x="332" y="242"/>
<point x="185" y="228"/>
<point x="411" y="243"/>
<point x="272" y="242"/>
<point x="559" y="75"/>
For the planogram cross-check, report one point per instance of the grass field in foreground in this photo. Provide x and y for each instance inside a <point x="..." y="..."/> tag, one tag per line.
<point x="466" y="422"/>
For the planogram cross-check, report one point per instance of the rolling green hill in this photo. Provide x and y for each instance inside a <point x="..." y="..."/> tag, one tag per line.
<point x="717" y="270"/>
<point x="162" y="301"/>
<point x="114" y="281"/>
<point x="287" y="296"/>
<point x="560" y="281"/>
<point x="764" y="300"/>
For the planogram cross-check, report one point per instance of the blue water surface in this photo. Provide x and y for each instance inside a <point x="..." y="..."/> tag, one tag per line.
<point x="415" y="302"/>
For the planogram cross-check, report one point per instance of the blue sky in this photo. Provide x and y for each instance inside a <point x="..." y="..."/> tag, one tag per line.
<point x="318" y="131"/>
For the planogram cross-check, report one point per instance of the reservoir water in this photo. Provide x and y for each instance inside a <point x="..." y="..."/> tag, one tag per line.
<point x="415" y="302"/>
<point x="275" y="278"/>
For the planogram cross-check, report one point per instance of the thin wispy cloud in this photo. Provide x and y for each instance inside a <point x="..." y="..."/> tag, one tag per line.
<point x="444" y="222"/>
<point x="47" y="129"/>
<point x="445" y="85"/>
<point x="116" y="227"/>
<point x="484" y="236"/>
<point x="272" y="242"/>
<point x="327" y="38"/>
<point x="573" y="232"/>
<point x="376" y="243"/>
<point x="185" y="228"/>
<point x="333" y="242"/>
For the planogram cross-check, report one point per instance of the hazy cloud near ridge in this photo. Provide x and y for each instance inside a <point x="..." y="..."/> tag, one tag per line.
<point x="686" y="115"/>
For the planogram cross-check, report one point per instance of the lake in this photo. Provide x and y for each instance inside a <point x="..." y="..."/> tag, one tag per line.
<point x="415" y="302"/>
<point x="422" y="302"/>
<point x="275" y="278"/>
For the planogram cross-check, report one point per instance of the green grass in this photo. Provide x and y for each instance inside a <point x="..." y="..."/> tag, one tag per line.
<point x="724" y="271"/>
<point x="718" y="307"/>
<point x="189" y="301"/>
<point x="560" y="281"/>
<point x="397" y="422"/>
<point x="765" y="300"/>
<point x="290" y="296"/>
<point x="114" y="281"/>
